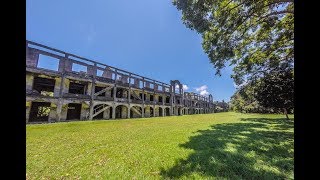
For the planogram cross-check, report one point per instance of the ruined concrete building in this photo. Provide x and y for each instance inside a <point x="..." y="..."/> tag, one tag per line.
<point x="75" y="88"/>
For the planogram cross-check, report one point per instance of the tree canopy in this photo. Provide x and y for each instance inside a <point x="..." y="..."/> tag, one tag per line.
<point x="254" y="36"/>
<point x="276" y="90"/>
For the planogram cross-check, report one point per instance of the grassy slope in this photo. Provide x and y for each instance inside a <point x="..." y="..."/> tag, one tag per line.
<point x="222" y="145"/>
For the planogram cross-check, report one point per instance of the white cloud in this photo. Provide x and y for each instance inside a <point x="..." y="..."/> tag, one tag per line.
<point x="202" y="90"/>
<point x="204" y="93"/>
<point x="185" y="87"/>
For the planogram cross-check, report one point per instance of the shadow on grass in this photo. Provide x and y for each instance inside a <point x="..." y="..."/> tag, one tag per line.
<point x="257" y="148"/>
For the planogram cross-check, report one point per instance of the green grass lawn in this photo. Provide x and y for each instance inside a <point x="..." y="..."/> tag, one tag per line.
<point x="210" y="146"/>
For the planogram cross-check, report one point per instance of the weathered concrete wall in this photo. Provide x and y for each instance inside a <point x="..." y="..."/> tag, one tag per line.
<point x="53" y="112"/>
<point x="32" y="58"/>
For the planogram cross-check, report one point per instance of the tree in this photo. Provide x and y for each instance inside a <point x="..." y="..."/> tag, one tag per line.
<point x="254" y="36"/>
<point x="243" y="100"/>
<point x="221" y="106"/>
<point x="276" y="90"/>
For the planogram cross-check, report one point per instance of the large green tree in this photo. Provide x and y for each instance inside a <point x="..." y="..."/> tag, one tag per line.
<point x="254" y="36"/>
<point x="275" y="90"/>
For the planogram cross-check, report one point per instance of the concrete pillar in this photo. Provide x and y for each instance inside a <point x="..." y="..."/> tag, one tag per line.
<point x="91" y="111"/>
<point x="84" y="112"/>
<point x="64" y="112"/>
<point x="59" y="109"/>
<point x="53" y="112"/>
<point x="106" y="114"/>
<point x="147" y="84"/>
<point x="68" y="65"/>
<point x="65" y="85"/>
<point x="123" y="112"/>
<point x="154" y="111"/>
<point x="128" y="112"/>
<point x="136" y="82"/>
<point x="124" y="79"/>
<point x="28" y="107"/>
<point x="29" y="81"/>
<point x="114" y="93"/>
<point x="57" y="86"/>
<point x="107" y="73"/>
<point x="32" y="57"/>
<point x="61" y="66"/>
<point x="113" y="111"/>
<point x="163" y="112"/>
<point x="92" y="70"/>
<point x="142" y="110"/>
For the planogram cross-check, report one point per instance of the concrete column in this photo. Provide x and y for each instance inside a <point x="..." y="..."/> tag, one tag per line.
<point x="106" y="114"/>
<point x="92" y="70"/>
<point x="147" y="84"/>
<point x="28" y="107"/>
<point x="123" y="112"/>
<point x="57" y="86"/>
<point x="53" y="112"/>
<point x="68" y="65"/>
<point x="91" y="111"/>
<point x="163" y="112"/>
<point x="29" y="81"/>
<point x="114" y="93"/>
<point x="107" y="73"/>
<point x="128" y="112"/>
<point x="84" y="111"/>
<point x="142" y="111"/>
<point x="136" y="82"/>
<point x="129" y="95"/>
<point x="113" y="111"/>
<point x="65" y="86"/>
<point x="61" y="66"/>
<point x="32" y="57"/>
<point x="154" y="111"/>
<point x="59" y="109"/>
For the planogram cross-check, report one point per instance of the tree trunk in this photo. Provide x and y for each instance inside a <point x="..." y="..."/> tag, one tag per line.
<point x="286" y="113"/>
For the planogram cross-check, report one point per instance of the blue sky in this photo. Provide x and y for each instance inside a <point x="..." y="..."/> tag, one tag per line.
<point x="146" y="37"/>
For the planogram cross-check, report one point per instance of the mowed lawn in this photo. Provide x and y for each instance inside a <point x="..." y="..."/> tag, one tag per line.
<point x="209" y="146"/>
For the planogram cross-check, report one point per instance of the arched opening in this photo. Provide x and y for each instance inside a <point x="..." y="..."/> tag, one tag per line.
<point x="40" y="111"/>
<point x="167" y="111"/>
<point x="179" y="111"/>
<point x="102" y="111"/>
<point x="121" y="112"/>
<point x="160" y="111"/>
<point x="135" y="112"/>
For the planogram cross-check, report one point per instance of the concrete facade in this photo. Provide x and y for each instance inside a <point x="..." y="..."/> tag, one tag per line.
<point x="100" y="92"/>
